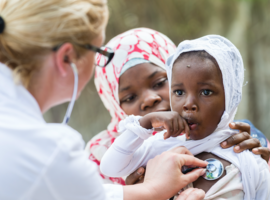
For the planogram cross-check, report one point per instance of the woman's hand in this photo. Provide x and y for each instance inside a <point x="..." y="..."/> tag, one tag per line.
<point x="163" y="173"/>
<point x="171" y="121"/>
<point x="244" y="141"/>
<point x="136" y="177"/>
<point x="164" y="178"/>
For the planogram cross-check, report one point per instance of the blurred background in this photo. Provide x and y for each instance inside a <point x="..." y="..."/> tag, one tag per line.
<point x="245" y="22"/>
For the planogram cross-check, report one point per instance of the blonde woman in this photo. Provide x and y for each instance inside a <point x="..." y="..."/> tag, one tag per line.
<point x="47" y="57"/>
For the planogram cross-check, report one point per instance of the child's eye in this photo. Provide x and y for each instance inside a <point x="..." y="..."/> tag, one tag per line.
<point x="160" y="83"/>
<point x="206" y="92"/>
<point x="179" y="92"/>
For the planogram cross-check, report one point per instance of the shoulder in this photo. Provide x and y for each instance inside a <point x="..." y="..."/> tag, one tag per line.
<point x="60" y="136"/>
<point x="68" y="171"/>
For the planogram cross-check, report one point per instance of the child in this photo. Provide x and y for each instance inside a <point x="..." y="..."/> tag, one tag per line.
<point x="126" y="89"/>
<point x="205" y="77"/>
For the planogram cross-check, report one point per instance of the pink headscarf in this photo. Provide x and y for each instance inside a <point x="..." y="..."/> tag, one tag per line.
<point x="136" y="43"/>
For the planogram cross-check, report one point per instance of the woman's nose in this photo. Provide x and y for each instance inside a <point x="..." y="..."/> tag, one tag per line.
<point x="190" y="105"/>
<point x="150" y="99"/>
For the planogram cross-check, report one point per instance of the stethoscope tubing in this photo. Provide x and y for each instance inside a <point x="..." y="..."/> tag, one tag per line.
<point x="74" y="95"/>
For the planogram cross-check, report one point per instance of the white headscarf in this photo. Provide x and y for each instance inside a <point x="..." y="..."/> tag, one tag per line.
<point x="232" y="69"/>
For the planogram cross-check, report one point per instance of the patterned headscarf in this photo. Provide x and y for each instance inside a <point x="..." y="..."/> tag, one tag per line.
<point x="143" y="43"/>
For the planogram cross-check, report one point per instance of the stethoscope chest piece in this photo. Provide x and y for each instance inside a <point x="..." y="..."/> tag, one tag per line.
<point x="214" y="169"/>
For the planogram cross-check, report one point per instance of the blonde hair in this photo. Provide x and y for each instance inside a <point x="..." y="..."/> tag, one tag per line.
<point x="34" y="27"/>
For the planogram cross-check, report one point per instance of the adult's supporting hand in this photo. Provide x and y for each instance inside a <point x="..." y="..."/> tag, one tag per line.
<point x="244" y="141"/>
<point x="136" y="177"/>
<point x="163" y="177"/>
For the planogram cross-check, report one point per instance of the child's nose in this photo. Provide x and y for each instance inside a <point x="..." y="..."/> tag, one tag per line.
<point x="190" y="105"/>
<point x="150" y="99"/>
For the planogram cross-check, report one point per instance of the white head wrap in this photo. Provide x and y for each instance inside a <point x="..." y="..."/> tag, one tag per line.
<point x="232" y="69"/>
<point x="230" y="63"/>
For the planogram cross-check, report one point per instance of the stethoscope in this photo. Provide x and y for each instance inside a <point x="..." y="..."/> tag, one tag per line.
<point x="214" y="170"/>
<point x="74" y="95"/>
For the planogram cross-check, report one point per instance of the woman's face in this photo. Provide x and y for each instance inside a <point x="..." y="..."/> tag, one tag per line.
<point x="144" y="89"/>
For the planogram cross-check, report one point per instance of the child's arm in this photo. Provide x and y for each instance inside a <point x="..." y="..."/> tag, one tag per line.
<point x="130" y="150"/>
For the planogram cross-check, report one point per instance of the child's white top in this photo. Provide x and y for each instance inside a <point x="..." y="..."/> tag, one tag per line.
<point x="41" y="161"/>
<point x="131" y="151"/>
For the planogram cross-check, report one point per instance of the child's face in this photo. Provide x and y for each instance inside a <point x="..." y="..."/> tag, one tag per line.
<point x="197" y="94"/>
<point x="144" y="89"/>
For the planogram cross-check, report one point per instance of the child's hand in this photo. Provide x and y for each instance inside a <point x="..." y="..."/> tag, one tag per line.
<point x="171" y="121"/>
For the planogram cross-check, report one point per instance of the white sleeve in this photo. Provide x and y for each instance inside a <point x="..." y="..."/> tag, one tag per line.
<point x="132" y="149"/>
<point x="113" y="192"/>
<point x="71" y="176"/>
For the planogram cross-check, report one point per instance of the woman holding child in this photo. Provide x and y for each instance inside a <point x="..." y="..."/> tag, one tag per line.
<point x="205" y="81"/>
<point x="125" y="89"/>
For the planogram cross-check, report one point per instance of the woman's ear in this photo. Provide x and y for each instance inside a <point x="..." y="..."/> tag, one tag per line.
<point x="64" y="55"/>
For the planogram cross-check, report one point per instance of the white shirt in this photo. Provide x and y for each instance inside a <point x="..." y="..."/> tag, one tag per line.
<point x="41" y="161"/>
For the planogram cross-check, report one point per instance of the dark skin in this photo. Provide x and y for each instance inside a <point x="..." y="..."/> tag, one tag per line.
<point x="143" y="94"/>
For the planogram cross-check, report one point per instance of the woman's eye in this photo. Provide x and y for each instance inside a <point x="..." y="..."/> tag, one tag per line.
<point x="160" y="83"/>
<point x="206" y="92"/>
<point x="128" y="99"/>
<point x="179" y="92"/>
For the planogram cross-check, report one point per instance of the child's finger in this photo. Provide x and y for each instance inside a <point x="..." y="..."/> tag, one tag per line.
<point x="186" y="129"/>
<point x="169" y="127"/>
<point x="176" y="126"/>
<point x="180" y="127"/>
